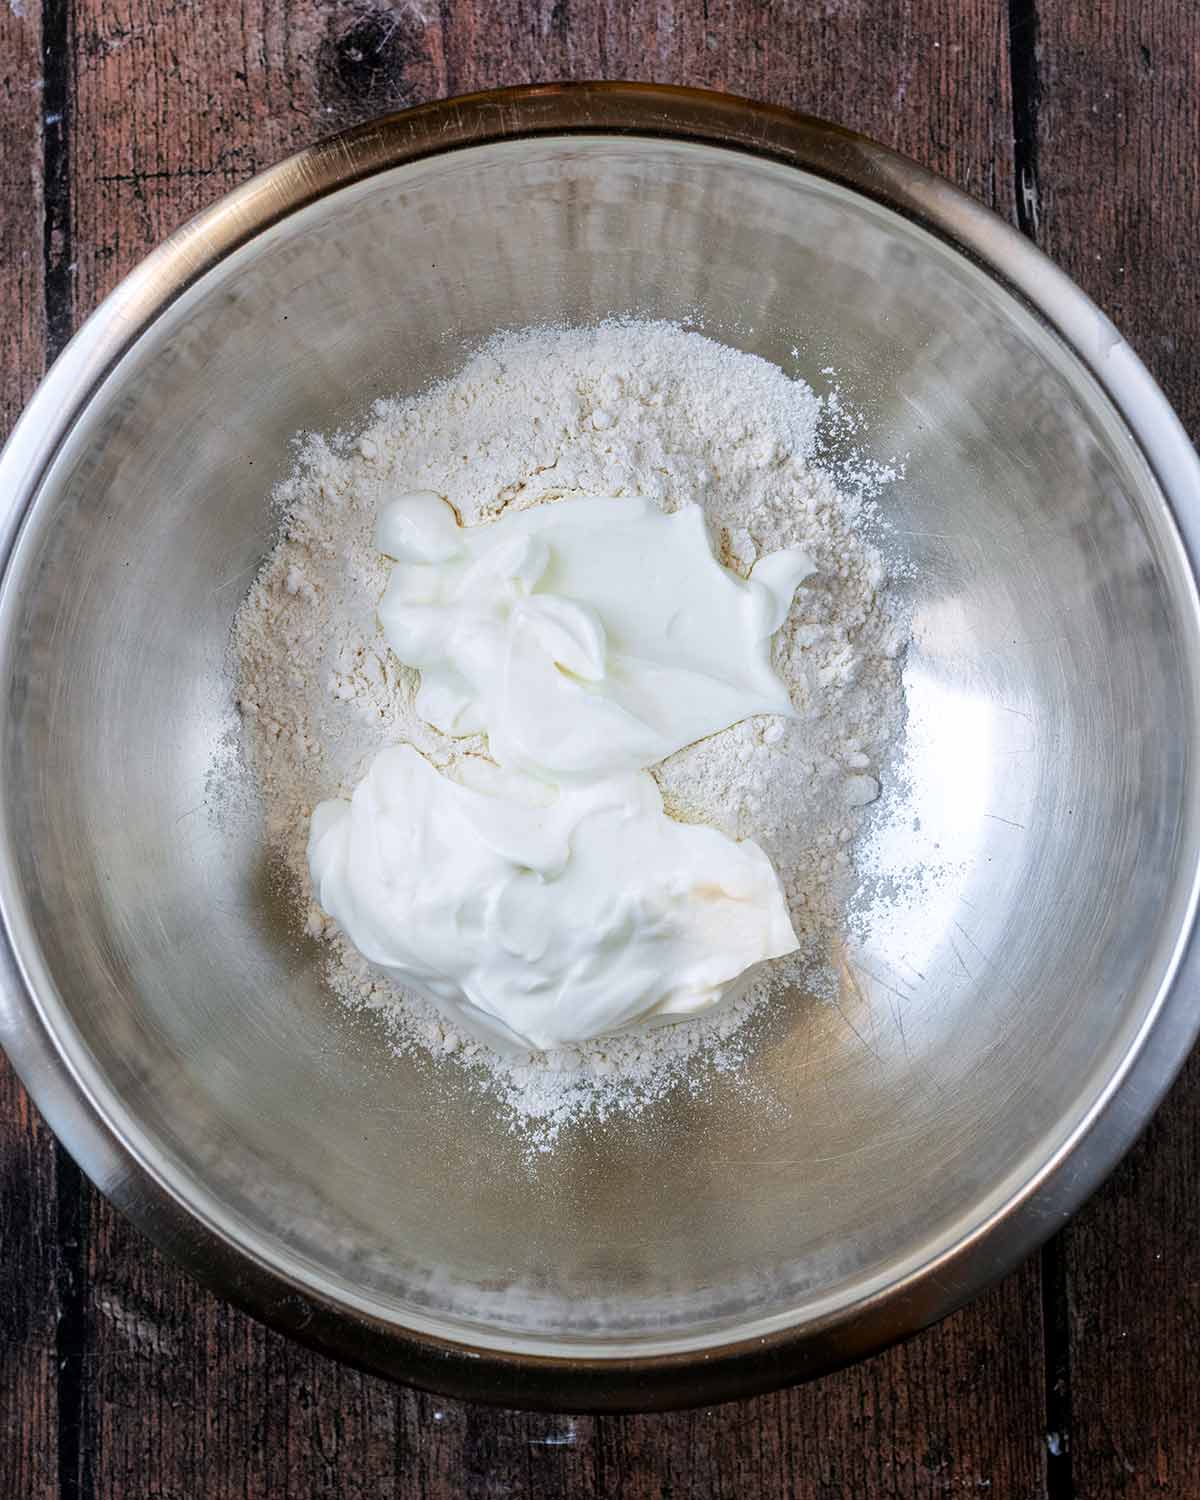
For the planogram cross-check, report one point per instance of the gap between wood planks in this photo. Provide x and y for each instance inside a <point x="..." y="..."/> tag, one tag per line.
<point x="59" y="309"/>
<point x="1056" y="1336"/>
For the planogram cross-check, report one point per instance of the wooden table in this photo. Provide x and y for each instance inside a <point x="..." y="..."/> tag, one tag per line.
<point x="1077" y="1376"/>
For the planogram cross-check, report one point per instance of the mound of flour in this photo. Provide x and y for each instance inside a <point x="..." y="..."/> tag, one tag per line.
<point x="620" y="408"/>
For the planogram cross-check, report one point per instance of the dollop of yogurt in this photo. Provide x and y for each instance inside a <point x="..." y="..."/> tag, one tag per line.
<point x="588" y="637"/>
<point x="539" y="916"/>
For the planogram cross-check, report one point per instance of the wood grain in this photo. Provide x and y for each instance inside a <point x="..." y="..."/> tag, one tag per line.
<point x="1119" y="118"/>
<point x="28" y="1295"/>
<point x="22" y="327"/>
<point x="1132" y="1266"/>
<point x="28" y="1259"/>
<point x="930" y="79"/>
<point x="1118" y="113"/>
<point x="179" y="1385"/>
<point x="173" y="103"/>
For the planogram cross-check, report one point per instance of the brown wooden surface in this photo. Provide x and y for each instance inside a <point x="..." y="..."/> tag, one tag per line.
<point x="118" y="1377"/>
<point x="29" y="1261"/>
<point x="1119" y="125"/>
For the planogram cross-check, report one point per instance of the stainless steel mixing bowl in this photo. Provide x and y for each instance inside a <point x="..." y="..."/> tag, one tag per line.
<point x="996" y="1046"/>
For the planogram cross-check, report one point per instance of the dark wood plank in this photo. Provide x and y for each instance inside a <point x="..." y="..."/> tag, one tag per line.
<point x="169" y="105"/>
<point x="185" y="1388"/>
<point x="28" y="1296"/>
<point x="930" y="79"/>
<point x="170" y="113"/>
<point x="22" y="327"/>
<point x="1118" y="119"/>
<point x="1132" y="1268"/>
<point x="28" y="1262"/>
<point x="182" y="1391"/>
<point x="1117" y="108"/>
<point x="933" y="1418"/>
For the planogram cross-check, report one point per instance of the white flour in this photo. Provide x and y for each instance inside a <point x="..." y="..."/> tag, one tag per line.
<point x="617" y="409"/>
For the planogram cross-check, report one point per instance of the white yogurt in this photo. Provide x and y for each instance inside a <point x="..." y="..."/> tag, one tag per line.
<point x="586" y="638"/>
<point x="538" y="916"/>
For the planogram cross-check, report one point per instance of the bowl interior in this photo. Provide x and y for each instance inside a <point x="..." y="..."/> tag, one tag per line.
<point x="1049" y="820"/>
